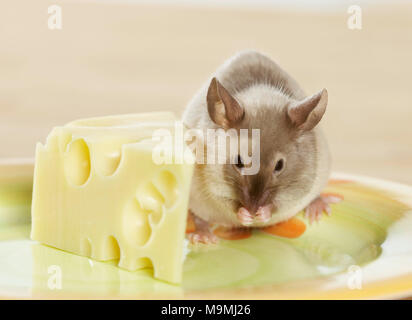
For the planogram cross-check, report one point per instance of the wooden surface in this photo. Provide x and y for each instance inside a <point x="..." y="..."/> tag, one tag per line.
<point x="122" y="58"/>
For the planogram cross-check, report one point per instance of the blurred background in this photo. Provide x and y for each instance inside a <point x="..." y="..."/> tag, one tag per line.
<point x="113" y="57"/>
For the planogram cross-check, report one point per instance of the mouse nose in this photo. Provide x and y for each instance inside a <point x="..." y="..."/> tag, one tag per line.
<point x="255" y="201"/>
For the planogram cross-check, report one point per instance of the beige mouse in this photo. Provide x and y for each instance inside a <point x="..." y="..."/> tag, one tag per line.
<point x="250" y="91"/>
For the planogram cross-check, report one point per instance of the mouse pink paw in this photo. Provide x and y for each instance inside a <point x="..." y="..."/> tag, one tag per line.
<point x="320" y="205"/>
<point x="203" y="236"/>
<point x="264" y="214"/>
<point x="244" y="217"/>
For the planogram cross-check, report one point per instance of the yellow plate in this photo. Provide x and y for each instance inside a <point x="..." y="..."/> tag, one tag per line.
<point x="364" y="250"/>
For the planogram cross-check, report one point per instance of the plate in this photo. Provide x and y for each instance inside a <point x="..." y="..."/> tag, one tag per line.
<point x="363" y="250"/>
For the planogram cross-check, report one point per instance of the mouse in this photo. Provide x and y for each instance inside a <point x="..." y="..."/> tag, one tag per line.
<point x="250" y="91"/>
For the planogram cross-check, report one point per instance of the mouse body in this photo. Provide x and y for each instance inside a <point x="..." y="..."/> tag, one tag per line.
<point x="250" y="91"/>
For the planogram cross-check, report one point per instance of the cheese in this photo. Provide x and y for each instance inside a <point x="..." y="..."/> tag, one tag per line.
<point x="98" y="193"/>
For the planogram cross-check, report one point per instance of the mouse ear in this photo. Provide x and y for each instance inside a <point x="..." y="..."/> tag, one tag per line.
<point x="223" y="109"/>
<point x="306" y="114"/>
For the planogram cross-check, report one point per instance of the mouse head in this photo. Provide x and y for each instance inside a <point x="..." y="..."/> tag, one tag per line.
<point x="286" y="148"/>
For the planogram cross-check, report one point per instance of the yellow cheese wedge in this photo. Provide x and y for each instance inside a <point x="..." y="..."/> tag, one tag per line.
<point x="98" y="193"/>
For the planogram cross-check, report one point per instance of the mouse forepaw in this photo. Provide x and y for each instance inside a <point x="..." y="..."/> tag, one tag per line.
<point x="200" y="232"/>
<point x="320" y="205"/>
<point x="203" y="236"/>
<point x="244" y="217"/>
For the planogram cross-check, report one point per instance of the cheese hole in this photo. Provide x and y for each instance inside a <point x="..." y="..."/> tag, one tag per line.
<point x="86" y="248"/>
<point x="167" y="185"/>
<point x="135" y="222"/>
<point x="132" y="263"/>
<point x="112" y="248"/>
<point x="151" y="200"/>
<point x="107" y="156"/>
<point x="77" y="162"/>
<point x="145" y="263"/>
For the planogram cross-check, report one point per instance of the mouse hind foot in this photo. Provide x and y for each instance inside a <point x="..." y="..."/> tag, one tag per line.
<point x="320" y="205"/>
<point x="198" y="231"/>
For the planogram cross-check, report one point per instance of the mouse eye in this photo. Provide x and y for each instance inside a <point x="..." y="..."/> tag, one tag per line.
<point x="239" y="162"/>
<point x="280" y="164"/>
